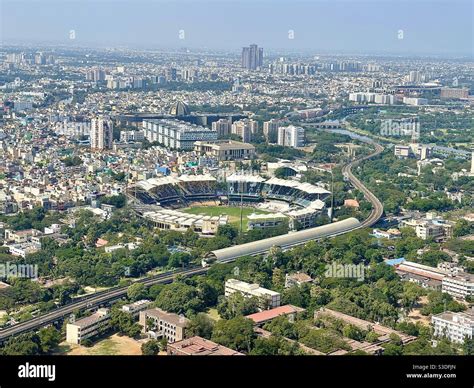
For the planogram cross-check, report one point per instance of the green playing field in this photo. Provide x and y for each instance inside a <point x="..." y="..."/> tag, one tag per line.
<point x="232" y="212"/>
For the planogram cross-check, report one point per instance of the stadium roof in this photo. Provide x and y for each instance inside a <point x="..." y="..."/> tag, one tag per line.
<point x="196" y="178"/>
<point x="245" y="178"/>
<point x="306" y="187"/>
<point x="283" y="241"/>
<point x="168" y="180"/>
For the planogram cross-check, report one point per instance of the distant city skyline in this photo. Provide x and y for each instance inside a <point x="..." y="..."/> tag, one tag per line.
<point x="421" y="27"/>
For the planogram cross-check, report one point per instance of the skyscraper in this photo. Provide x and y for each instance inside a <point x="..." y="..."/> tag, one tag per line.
<point x="252" y="57"/>
<point x="101" y="133"/>
<point x="222" y="126"/>
<point x="291" y="136"/>
<point x="270" y="130"/>
<point x="246" y="129"/>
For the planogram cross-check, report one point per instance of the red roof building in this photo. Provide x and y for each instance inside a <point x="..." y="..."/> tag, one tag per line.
<point x="267" y="315"/>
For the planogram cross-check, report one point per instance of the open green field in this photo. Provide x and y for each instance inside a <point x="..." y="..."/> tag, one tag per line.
<point x="232" y="212"/>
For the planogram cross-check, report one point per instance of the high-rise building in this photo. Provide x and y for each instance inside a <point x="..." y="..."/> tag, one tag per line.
<point x="252" y="57"/>
<point x="101" y="133"/>
<point x="246" y="129"/>
<point x="171" y="74"/>
<point x="291" y="136"/>
<point x="416" y="77"/>
<point x="222" y="126"/>
<point x="270" y="130"/>
<point x="40" y="59"/>
<point x="96" y="75"/>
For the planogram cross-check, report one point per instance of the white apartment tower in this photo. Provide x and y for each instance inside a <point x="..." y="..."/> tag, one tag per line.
<point x="101" y="133"/>
<point x="291" y="136"/>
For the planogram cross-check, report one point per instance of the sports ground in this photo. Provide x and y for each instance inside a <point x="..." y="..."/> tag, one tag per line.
<point x="231" y="211"/>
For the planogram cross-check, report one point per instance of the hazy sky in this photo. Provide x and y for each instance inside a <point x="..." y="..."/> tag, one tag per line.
<point x="429" y="26"/>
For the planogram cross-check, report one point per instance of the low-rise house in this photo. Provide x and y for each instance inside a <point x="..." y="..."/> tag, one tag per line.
<point x="23" y="249"/>
<point x="351" y="203"/>
<point x="101" y="243"/>
<point x="20" y="236"/>
<point x="198" y="346"/>
<point x="390" y="234"/>
<point x="430" y="228"/>
<point x="135" y="307"/>
<point x="265" y="316"/>
<point x="297" y="279"/>
<point x="129" y="246"/>
<point x="383" y="331"/>
<point x="424" y="275"/>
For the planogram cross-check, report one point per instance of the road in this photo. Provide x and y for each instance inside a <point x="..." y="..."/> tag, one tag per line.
<point x="116" y="293"/>
<point x="377" y="207"/>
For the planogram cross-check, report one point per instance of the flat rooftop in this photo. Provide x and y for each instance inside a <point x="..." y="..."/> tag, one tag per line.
<point x="198" y="346"/>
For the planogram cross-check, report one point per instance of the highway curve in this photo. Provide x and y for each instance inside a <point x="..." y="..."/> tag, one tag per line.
<point x="377" y="207"/>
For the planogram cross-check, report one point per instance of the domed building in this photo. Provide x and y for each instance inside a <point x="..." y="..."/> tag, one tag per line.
<point x="179" y="109"/>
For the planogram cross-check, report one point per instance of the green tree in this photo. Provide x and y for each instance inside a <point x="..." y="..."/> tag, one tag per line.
<point x="151" y="348"/>
<point x="137" y="292"/>
<point x="50" y="338"/>
<point x="236" y="333"/>
<point x="353" y="332"/>
<point x="200" y="325"/>
<point x="28" y="344"/>
<point x="229" y="231"/>
<point x="179" y="298"/>
<point x="274" y="346"/>
<point x="124" y="323"/>
<point x="236" y="304"/>
<point x="468" y="346"/>
<point x="393" y="350"/>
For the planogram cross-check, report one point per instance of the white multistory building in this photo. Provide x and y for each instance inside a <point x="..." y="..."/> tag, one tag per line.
<point x="78" y="331"/>
<point x="271" y="298"/>
<point x="459" y="286"/>
<point x="454" y="326"/>
<point x="101" y="133"/>
<point x="132" y="136"/>
<point x="291" y="136"/>
<point x="176" y="134"/>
